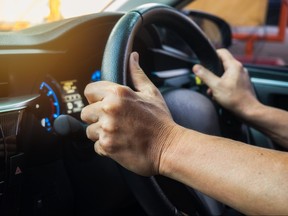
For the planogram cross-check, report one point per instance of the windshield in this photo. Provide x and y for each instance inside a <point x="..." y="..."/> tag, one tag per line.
<point x="15" y="14"/>
<point x="20" y="14"/>
<point x="258" y="27"/>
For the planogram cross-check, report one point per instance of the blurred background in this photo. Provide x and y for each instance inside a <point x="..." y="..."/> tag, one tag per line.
<point x="259" y="27"/>
<point x="19" y="14"/>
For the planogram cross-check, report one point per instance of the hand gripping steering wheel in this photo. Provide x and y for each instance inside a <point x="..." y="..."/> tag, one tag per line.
<point x="115" y="66"/>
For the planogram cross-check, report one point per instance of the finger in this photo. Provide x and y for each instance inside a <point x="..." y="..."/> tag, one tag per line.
<point x="206" y="76"/>
<point x="96" y="91"/>
<point x="231" y="65"/>
<point x="90" y="114"/>
<point x="139" y="79"/>
<point x="210" y="92"/>
<point x="92" y="131"/>
<point x="226" y="57"/>
<point x="98" y="149"/>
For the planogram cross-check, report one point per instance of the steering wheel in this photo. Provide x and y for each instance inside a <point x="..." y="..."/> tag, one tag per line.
<point x="115" y="66"/>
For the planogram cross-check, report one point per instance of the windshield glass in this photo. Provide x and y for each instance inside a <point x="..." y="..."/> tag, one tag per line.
<point x="259" y="28"/>
<point x="20" y="14"/>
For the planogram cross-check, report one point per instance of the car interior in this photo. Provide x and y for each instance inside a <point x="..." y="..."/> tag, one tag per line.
<point x="47" y="164"/>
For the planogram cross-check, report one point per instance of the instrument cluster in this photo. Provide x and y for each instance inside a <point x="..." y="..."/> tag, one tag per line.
<point x="57" y="98"/>
<point x="60" y="97"/>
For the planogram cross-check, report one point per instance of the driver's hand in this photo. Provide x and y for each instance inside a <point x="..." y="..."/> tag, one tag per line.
<point x="129" y="126"/>
<point x="233" y="90"/>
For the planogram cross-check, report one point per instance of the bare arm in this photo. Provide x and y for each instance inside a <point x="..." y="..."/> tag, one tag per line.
<point x="271" y="121"/>
<point x="136" y="129"/>
<point x="250" y="179"/>
<point x="234" y="92"/>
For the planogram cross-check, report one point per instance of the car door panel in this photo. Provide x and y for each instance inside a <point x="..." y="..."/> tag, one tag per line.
<point x="271" y="87"/>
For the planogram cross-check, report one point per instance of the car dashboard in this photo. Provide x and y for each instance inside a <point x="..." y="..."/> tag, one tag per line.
<point x="44" y="71"/>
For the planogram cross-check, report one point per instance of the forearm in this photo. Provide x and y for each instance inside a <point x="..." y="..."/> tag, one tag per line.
<point x="236" y="174"/>
<point x="271" y="121"/>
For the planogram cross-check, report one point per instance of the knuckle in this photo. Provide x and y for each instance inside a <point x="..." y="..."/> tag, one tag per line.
<point x="108" y="145"/>
<point x="239" y="65"/>
<point x="83" y="114"/>
<point x="121" y="91"/>
<point x="88" y="133"/>
<point x="88" y="89"/>
<point x="151" y="89"/>
<point x="91" y="134"/>
<point x="99" y="150"/>
<point x="111" y="108"/>
<point x="218" y="82"/>
<point x="154" y="91"/>
<point x="88" y="114"/>
<point x="109" y="127"/>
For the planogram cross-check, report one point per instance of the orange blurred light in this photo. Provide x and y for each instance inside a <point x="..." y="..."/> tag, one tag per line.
<point x="15" y="14"/>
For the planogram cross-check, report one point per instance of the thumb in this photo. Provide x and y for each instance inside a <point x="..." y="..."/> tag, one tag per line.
<point x="138" y="77"/>
<point x="209" y="78"/>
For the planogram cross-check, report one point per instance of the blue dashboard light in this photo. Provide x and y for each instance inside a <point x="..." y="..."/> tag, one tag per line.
<point x="96" y="76"/>
<point x="52" y="108"/>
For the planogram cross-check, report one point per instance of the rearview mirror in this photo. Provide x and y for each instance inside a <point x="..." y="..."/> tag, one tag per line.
<point x="216" y="29"/>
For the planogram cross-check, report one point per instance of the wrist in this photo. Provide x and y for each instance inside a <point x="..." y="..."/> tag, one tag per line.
<point x="250" y="110"/>
<point x="245" y="108"/>
<point x="170" y="150"/>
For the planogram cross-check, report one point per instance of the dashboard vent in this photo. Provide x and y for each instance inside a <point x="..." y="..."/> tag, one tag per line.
<point x="9" y="128"/>
<point x="9" y="123"/>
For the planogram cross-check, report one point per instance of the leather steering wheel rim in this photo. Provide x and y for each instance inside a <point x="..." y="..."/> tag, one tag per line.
<point x="115" y="67"/>
<point x="120" y="42"/>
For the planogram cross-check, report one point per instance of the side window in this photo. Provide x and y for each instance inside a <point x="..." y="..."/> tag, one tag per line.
<point x="258" y="28"/>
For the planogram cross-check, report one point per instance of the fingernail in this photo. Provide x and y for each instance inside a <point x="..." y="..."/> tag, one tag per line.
<point x="197" y="69"/>
<point x="135" y="57"/>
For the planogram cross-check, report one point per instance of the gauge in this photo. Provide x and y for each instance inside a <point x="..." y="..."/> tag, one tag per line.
<point x="49" y="105"/>
<point x="57" y="98"/>
<point x="96" y="76"/>
<point x="71" y="96"/>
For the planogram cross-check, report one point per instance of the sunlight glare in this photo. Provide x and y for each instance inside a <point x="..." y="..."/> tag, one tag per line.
<point x="37" y="11"/>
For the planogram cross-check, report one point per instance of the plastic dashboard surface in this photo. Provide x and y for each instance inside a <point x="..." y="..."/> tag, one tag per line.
<point x="54" y="61"/>
<point x="44" y="71"/>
